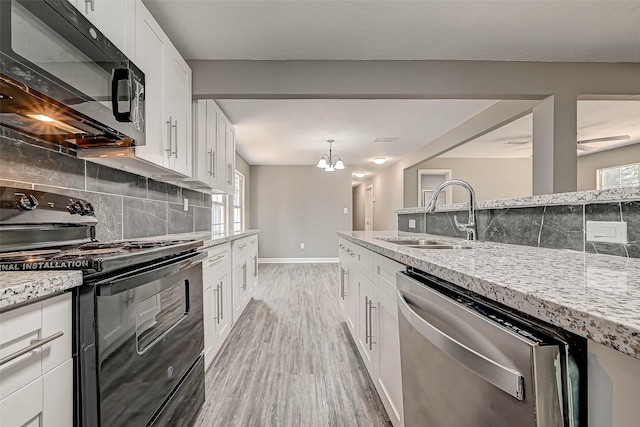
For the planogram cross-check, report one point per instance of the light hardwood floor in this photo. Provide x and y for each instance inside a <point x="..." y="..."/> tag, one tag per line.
<point x="290" y="360"/>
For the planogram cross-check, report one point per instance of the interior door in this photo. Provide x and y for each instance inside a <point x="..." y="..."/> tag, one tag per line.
<point x="368" y="209"/>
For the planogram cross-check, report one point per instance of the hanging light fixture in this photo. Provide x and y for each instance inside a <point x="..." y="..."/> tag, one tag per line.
<point x="330" y="162"/>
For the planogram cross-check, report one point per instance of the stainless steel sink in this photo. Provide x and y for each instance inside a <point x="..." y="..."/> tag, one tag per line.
<point x="411" y="242"/>
<point x="435" y="245"/>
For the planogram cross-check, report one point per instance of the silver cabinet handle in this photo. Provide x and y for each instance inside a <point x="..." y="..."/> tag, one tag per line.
<point x="221" y="315"/>
<point x="371" y="343"/>
<point x="343" y="273"/>
<point x="366" y="319"/>
<point x="217" y="291"/>
<point x="210" y="163"/>
<point x="88" y="3"/>
<point x="506" y="379"/>
<point x="169" y="139"/>
<point x="34" y="345"/>
<point x="175" y="140"/>
<point x="255" y="266"/>
<point x="244" y="276"/>
<point x="213" y="163"/>
<point x="216" y="259"/>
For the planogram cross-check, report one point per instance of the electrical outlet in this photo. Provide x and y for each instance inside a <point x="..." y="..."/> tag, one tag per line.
<point x="346" y="210"/>
<point x="412" y="223"/>
<point x="186" y="204"/>
<point x="301" y="245"/>
<point x="607" y="231"/>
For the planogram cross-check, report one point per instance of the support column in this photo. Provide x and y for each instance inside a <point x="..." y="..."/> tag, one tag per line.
<point x="555" y="161"/>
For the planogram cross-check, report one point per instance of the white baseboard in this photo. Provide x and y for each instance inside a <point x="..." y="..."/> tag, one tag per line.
<point x="296" y="260"/>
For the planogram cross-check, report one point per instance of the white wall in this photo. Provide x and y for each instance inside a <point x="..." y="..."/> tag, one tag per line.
<point x="490" y="178"/>
<point x="358" y="207"/>
<point x="300" y="204"/>
<point x="243" y="167"/>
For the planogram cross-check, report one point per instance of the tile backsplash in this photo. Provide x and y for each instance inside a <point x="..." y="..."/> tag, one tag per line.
<point x="555" y="227"/>
<point x="127" y="205"/>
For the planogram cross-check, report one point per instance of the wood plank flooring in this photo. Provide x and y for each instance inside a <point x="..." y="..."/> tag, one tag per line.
<point x="290" y="360"/>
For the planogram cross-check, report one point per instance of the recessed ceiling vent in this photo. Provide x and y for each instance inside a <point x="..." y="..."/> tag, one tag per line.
<point x="392" y="139"/>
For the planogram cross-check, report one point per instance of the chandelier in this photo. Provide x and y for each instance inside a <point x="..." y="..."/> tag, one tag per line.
<point x="330" y="162"/>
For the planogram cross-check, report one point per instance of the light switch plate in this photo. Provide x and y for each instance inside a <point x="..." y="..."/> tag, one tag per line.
<point x="346" y="210"/>
<point x="185" y="207"/>
<point x="607" y="232"/>
<point x="412" y="223"/>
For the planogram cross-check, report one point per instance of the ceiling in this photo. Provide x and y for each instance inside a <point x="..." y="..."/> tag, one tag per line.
<point x="515" y="30"/>
<point x="295" y="131"/>
<point x="596" y="119"/>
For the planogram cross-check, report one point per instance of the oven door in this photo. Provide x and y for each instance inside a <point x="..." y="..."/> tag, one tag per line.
<point x="148" y="334"/>
<point x="62" y="79"/>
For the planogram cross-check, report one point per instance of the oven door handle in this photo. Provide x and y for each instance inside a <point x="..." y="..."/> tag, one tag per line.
<point x="148" y="274"/>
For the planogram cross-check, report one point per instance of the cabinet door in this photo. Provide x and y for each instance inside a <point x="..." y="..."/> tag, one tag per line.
<point x="110" y="18"/>
<point x="343" y="290"/>
<point x="352" y="300"/>
<point x="177" y="89"/>
<point x="222" y="180"/>
<point x="239" y="280"/>
<point x="223" y="326"/>
<point x="212" y="154"/>
<point x="367" y="323"/>
<point x="24" y="407"/>
<point x="230" y="152"/>
<point x="208" y="312"/>
<point x="150" y="58"/>
<point x="389" y="381"/>
<point x="57" y="388"/>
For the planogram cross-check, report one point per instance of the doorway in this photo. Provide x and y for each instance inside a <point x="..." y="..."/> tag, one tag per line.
<point x="368" y="209"/>
<point x="428" y="180"/>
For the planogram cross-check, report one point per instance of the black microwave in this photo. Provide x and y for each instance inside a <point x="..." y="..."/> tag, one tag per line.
<point x="63" y="81"/>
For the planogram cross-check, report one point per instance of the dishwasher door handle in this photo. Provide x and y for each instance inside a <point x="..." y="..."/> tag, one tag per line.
<point x="506" y="379"/>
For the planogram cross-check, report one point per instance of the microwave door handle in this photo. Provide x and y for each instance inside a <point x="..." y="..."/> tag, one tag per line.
<point x="503" y="377"/>
<point x="121" y="74"/>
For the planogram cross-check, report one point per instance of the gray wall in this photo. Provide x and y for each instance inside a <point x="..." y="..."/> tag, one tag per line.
<point x="245" y="169"/>
<point x="299" y="204"/>
<point x="490" y="178"/>
<point x="387" y="193"/>
<point x="127" y="205"/>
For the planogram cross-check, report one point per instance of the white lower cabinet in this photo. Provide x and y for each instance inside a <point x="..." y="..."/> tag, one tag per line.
<point x="241" y="276"/>
<point x="36" y="388"/>
<point x="367" y="299"/>
<point x="217" y="305"/>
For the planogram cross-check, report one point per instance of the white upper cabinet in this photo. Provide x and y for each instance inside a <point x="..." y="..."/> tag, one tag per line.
<point x="214" y="147"/>
<point x="113" y="18"/>
<point x="167" y="96"/>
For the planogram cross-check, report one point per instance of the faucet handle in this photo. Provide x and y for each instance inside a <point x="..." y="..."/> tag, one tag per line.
<point x="461" y="227"/>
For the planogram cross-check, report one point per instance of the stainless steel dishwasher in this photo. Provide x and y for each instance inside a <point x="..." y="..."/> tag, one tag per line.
<point x="466" y="363"/>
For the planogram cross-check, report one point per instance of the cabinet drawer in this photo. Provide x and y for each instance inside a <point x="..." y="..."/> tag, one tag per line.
<point x="24" y="407"/>
<point x="386" y="275"/>
<point x="22" y="327"/>
<point x="364" y="261"/>
<point x="241" y="246"/>
<point x="217" y="256"/>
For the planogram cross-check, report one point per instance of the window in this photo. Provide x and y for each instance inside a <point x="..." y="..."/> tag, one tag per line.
<point x="218" y="213"/>
<point x="237" y="207"/>
<point x="618" y="176"/>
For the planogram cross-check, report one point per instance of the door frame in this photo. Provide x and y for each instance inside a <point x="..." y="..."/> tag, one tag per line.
<point x="424" y="172"/>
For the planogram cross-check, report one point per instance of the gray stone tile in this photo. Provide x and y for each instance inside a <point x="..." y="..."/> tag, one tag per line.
<point x="144" y="218"/>
<point x="518" y="226"/>
<point x="108" y="180"/>
<point x="631" y="214"/>
<point x="606" y="249"/>
<point x="562" y="228"/>
<point x="202" y="219"/>
<point x="602" y="212"/>
<point x="164" y="191"/>
<point x="403" y="223"/>
<point x="196" y="198"/>
<point x="24" y="162"/>
<point x="108" y="210"/>
<point x="441" y="224"/>
<point x="179" y="220"/>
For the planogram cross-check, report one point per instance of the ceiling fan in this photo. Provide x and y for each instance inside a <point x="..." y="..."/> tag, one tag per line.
<point x="597" y="143"/>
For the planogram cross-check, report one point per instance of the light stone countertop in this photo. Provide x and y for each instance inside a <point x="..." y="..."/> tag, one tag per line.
<point x="594" y="296"/>
<point x="21" y="287"/>
<point x="575" y="198"/>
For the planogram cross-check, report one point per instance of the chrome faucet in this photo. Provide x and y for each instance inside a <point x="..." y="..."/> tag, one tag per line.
<point x="471" y="227"/>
